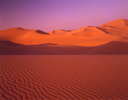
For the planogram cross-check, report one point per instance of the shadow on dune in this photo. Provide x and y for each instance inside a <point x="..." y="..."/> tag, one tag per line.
<point x="41" y="32"/>
<point x="9" y="48"/>
<point x="114" y="47"/>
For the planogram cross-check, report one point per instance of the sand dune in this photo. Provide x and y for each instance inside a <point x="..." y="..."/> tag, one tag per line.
<point x="88" y="36"/>
<point x="115" y="47"/>
<point x="82" y="40"/>
<point x="117" y="27"/>
<point x="34" y="38"/>
<point x="63" y="77"/>
<point x="12" y="33"/>
<point x="19" y="34"/>
<point x="89" y="31"/>
<point x="59" y="32"/>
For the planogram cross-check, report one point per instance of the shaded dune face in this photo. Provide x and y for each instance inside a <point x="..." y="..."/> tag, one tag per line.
<point x="63" y="77"/>
<point x="41" y="32"/>
<point x="126" y="22"/>
<point x="111" y="48"/>
<point x="9" y="48"/>
<point x="8" y="43"/>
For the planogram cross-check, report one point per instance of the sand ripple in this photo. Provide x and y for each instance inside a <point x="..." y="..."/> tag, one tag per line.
<point x="62" y="77"/>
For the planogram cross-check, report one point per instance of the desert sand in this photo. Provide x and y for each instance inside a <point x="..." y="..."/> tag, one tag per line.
<point x="89" y="63"/>
<point x="114" y="47"/>
<point x="88" y="36"/>
<point x="62" y="77"/>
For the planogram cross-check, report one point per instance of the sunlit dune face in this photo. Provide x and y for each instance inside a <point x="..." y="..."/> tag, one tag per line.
<point x="13" y="33"/>
<point x="88" y="36"/>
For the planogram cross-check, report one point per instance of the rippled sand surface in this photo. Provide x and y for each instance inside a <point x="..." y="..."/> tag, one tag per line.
<point x="64" y="77"/>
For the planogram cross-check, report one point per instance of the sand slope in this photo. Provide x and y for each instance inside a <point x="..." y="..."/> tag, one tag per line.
<point x="117" y="27"/>
<point x="115" y="47"/>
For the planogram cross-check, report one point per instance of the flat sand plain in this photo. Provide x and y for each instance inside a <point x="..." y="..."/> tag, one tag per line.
<point x="64" y="77"/>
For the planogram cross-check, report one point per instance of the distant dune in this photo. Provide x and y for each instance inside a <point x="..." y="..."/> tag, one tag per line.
<point x="101" y="39"/>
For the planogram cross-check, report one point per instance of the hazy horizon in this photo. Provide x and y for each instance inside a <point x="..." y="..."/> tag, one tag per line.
<point x="50" y="15"/>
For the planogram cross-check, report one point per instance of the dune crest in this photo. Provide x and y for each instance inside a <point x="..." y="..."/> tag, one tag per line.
<point x="117" y="27"/>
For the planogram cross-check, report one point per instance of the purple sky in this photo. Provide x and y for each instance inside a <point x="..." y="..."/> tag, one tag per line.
<point x="50" y="15"/>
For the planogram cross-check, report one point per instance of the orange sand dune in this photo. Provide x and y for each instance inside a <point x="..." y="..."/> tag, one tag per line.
<point x="16" y="34"/>
<point x="12" y="33"/>
<point x="59" y="32"/>
<point x="63" y="77"/>
<point x="88" y="36"/>
<point x="89" y="31"/>
<point x="117" y="27"/>
<point x="33" y="38"/>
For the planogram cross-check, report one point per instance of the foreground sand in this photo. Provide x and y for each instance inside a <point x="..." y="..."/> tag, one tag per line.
<point x="65" y="77"/>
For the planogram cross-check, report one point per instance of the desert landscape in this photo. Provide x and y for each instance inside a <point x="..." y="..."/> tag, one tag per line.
<point x="89" y="63"/>
<point x="109" y="38"/>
